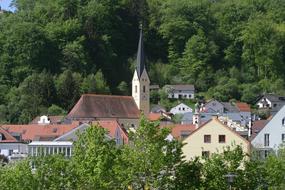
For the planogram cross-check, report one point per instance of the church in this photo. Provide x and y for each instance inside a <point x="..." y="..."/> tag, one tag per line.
<point x="125" y="109"/>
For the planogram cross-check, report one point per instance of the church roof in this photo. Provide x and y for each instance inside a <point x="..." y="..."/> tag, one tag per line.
<point x="104" y="106"/>
<point x="140" y="56"/>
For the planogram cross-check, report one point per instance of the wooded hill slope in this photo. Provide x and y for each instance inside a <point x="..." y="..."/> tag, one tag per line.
<point x="53" y="51"/>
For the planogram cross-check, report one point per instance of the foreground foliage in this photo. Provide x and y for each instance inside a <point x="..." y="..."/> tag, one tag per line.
<point x="148" y="162"/>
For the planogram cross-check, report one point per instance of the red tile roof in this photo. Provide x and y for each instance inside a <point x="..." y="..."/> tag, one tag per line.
<point x="39" y="132"/>
<point x="6" y="137"/>
<point x="243" y="107"/>
<point x="154" y="116"/>
<point x="178" y="129"/>
<point x="111" y="126"/>
<point x="257" y="126"/>
<point x="104" y="106"/>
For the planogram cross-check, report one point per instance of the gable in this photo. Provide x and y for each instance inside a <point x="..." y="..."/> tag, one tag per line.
<point x="214" y="126"/>
<point x="275" y="128"/>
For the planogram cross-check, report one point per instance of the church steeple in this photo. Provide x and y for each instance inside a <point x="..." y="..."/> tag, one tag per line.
<point x="140" y="83"/>
<point x="140" y="55"/>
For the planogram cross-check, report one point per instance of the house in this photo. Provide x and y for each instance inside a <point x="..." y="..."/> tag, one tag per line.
<point x="204" y="117"/>
<point x="272" y="135"/>
<point x="180" y="109"/>
<point x="15" y="138"/>
<point x="10" y="146"/>
<point x="212" y="137"/>
<point x="245" y="112"/>
<point x="180" y="91"/>
<point x="270" y="102"/>
<point x="213" y="106"/>
<point x="114" y="130"/>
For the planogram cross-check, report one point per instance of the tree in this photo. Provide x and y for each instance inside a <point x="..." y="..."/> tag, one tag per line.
<point x="94" y="159"/>
<point x="150" y="161"/>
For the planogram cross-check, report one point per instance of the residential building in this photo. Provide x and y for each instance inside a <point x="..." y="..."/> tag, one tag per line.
<point x="15" y="138"/>
<point x="213" y="106"/>
<point x="154" y="87"/>
<point x="270" y="102"/>
<point x="180" y="91"/>
<point x="181" y="109"/>
<point x="115" y="131"/>
<point x="272" y="135"/>
<point x="212" y="137"/>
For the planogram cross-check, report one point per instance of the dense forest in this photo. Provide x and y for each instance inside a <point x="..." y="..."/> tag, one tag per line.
<point x="53" y="51"/>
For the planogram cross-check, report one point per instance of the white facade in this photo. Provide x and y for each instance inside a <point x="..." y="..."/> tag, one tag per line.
<point x="273" y="134"/>
<point x="39" y="148"/>
<point x="12" y="149"/>
<point x="140" y="91"/>
<point x="181" y="95"/>
<point x="180" y="109"/>
<point x="44" y="120"/>
<point x="264" y="103"/>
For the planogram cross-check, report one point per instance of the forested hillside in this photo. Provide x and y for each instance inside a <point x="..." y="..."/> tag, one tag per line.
<point x="53" y="51"/>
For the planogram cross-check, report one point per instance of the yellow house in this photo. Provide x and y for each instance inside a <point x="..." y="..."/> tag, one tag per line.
<point x="212" y="137"/>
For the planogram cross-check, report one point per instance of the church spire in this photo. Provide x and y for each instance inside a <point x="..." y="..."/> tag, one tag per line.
<point x="140" y="54"/>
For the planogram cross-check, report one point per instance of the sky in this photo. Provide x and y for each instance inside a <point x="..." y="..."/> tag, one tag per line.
<point x="5" y="4"/>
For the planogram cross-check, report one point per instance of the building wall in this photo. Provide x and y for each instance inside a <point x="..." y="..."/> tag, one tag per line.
<point x="140" y="91"/>
<point x="7" y="148"/>
<point x="195" y="142"/>
<point x="184" y="94"/>
<point x="275" y="129"/>
<point x="180" y="109"/>
<point x="214" y="105"/>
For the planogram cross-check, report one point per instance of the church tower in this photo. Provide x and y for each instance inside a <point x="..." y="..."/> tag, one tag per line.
<point x="140" y="82"/>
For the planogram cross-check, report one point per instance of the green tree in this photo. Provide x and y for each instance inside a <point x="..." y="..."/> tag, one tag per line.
<point x="94" y="159"/>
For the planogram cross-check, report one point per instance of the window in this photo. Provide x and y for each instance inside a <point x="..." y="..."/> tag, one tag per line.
<point x="283" y="121"/>
<point x="207" y="138"/>
<point x="189" y="95"/>
<point x="274" y="105"/>
<point x="10" y="152"/>
<point x="185" y="96"/>
<point x="136" y="89"/>
<point x="283" y="137"/>
<point x="183" y="109"/>
<point x="222" y="138"/>
<point x="266" y="139"/>
<point x="172" y="95"/>
<point x="205" y="154"/>
<point x="143" y="88"/>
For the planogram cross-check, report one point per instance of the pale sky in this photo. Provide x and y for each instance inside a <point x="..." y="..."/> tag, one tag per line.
<point x="5" y="4"/>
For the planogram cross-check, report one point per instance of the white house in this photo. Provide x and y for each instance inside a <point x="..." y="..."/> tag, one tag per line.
<point x="180" y="109"/>
<point x="272" y="135"/>
<point x="183" y="91"/>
